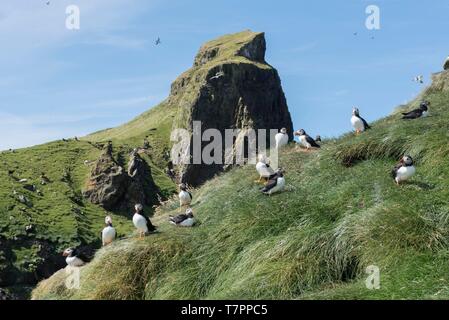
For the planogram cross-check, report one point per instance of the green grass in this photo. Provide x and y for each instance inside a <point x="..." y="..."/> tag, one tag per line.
<point x="341" y="213"/>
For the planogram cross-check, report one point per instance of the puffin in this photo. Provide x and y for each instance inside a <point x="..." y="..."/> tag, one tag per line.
<point x="281" y="138"/>
<point x="183" y="220"/>
<point x="141" y="222"/>
<point x="358" y="123"/>
<point x="318" y="138"/>
<point x="108" y="234"/>
<point x="74" y="258"/>
<point x="305" y="140"/>
<point x="263" y="168"/>
<point x="185" y="197"/>
<point x="446" y="64"/>
<point x="404" y="170"/>
<point x="276" y="183"/>
<point x="422" y="111"/>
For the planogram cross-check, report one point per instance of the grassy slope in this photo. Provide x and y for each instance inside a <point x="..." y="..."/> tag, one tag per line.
<point x="313" y="241"/>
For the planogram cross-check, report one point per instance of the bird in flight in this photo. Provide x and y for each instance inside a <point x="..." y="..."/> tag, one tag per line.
<point x="48" y="3"/>
<point x="158" y="41"/>
<point x="419" y="79"/>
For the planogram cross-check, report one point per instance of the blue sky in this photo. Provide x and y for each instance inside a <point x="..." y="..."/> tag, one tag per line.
<point x="57" y="83"/>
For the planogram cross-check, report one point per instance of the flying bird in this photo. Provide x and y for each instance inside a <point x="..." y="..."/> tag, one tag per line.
<point x="422" y="111"/>
<point x="263" y="168"/>
<point x="276" y="183"/>
<point x="404" y="170"/>
<point x="158" y="41"/>
<point x="358" y="123"/>
<point x="217" y="75"/>
<point x="47" y="3"/>
<point x="108" y="234"/>
<point x="419" y="79"/>
<point x="305" y="140"/>
<point x="74" y="258"/>
<point x="142" y="222"/>
<point x="183" y="220"/>
<point x="281" y="138"/>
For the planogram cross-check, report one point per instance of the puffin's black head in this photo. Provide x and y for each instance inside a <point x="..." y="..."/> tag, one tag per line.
<point x="424" y="105"/>
<point x="183" y="187"/>
<point x="355" y="111"/>
<point x="189" y="213"/>
<point x="300" y="132"/>
<point x="108" y="221"/>
<point x="138" y="207"/>
<point x="283" y="130"/>
<point x="407" y="161"/>
<point x="69" y="252"/>
<point x="280" y="172"/>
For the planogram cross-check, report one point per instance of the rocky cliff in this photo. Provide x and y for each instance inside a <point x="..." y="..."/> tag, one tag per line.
<point x="230" y="86"/>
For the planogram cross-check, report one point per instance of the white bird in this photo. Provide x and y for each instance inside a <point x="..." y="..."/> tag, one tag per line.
<point x="108" y="234"/>
<point x="358" y="123"/>
<point x="275" y="184"/>
<point x="281" y="138"/>
<point x="305" y="140"/>
<point x="404" y="170"/>
<point x="263" y="168"/>
<point x="419" y="79"/>
<point x="185" y="197"/>
<point x="183" y="220"/>
<point x="74" y="257"/>
<point x="142" y="222"/>
<point x="217" y="75"/>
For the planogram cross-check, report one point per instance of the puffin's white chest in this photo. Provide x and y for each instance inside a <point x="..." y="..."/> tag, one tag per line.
<point x="74" y="261"/>
<point x="281" y="139"/>
<point x="357" y="123"/>
<point x="184" y="198"/>
<point x="108" y="235"/>
<point x="303" y="141"/>
<point x="263" y="169"/>
<point x="140" y="222"/>
<point x="405" y="173"/>
<point x="280" y="185"/>
<point x="425" y="114"/>
<point x="189" y="222"/>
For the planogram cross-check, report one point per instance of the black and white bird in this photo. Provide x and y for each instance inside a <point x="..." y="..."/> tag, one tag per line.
<point x="183" y="220"/>
<point x="263" y="168"/>
<point x="142" y="222"/>
<point x="422" y="111"/>
<point x="419" y="79"/>
<point x="305" y="140"/>
<point x="74" y="258"/>
<point x="318" y="138"/>
<point x="281" y="138"/>
<point x="218" y="75"/>
<point x="276" y="183"/>
<point x="358" y="123"/>
<point x="446" y="64"/>
<point x="404" y="170"/>
<point x="108" y="234"/>
<point x="185" y="197"/>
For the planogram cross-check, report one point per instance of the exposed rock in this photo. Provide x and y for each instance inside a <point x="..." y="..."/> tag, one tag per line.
<point x="247" y="94"/>
<point x="115" y="189"/>
<point x="4" y="295"/>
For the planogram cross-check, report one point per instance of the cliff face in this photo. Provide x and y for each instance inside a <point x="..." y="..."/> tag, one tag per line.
<point x="229" y="87"/>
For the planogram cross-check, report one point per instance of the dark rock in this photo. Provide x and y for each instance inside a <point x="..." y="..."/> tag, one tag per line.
<point x="4" y="295"/>
<point x="115" y="189"/>
<point x="446" y="64"/>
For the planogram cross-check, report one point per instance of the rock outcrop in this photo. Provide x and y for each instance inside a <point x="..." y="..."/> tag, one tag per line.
<point x="229" y="87"/>
<point x="115" y="189"/>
